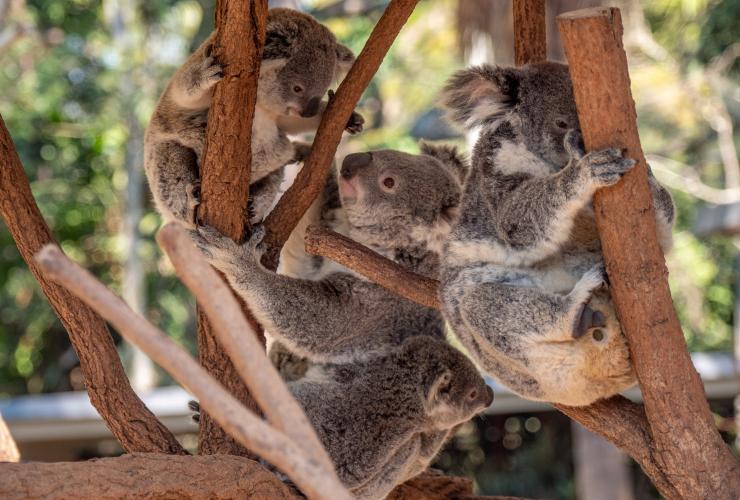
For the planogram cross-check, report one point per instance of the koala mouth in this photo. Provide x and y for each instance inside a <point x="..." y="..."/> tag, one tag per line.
<point x="348" y="190"/>
<point x="292" y="110"/>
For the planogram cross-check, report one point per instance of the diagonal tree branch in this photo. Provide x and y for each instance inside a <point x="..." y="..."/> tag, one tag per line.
<point x="310" y="180"/>
<point x="240" y="342"/>
<point x="696" y="459"/>
<point x="135" y="427"/>
<point x="244" y="425"/>
<point x="225" y="171"/>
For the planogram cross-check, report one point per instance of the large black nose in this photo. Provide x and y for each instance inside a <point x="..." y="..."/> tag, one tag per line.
<point x="354" y="162"/>
<point x="489" y="396"/>
<point x="311" y="108"/>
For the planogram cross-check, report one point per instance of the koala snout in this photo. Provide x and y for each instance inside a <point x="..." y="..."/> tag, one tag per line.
<point x="354" y="162"/>
<point x="311" y="108"/>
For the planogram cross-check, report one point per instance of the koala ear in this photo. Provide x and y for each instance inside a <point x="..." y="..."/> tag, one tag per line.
<point x="279" y="39"/>
<point x="456" y="162"/>
<point x="476" y="95"/>
<point x="439" y="384"/>
<point x="345" y="59"/>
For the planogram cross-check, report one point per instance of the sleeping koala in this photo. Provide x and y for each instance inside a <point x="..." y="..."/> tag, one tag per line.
<point x="384" y="419"/>
<point x="300" y="60"/>
<point x="523" y="283"/>
<point x="398" y="204"/>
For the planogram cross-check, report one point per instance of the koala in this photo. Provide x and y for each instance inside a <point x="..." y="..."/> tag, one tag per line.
<point x="523" y="285"/>
<point x="300" y="60"/>
<point x="384" y="419"/>
<point x="398" y="204"/>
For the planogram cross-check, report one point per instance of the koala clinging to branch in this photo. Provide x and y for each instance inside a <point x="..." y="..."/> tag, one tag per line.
<point x="384" y="419"/>
<point x="400" y="205"/>
<point x="523" y="283"/>
<point x="300" y="60"/>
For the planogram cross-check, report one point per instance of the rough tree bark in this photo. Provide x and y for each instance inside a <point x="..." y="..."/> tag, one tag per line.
<point x="224" y="171"/>
<point x="130" y="421"/>
<point x="8" y="448"/>
<point x="530" y="42"/>
<point x="685" y="438"/>
<point x="310" y="180"/>
<point x="247" y="428"/>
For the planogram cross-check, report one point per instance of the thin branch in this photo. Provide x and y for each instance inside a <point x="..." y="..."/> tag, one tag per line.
<point x="240" y="342"/>
<point x="684" y="178"/>
<point x="8" y="448"/>
<point x="386" y="273"/>
<point x="310" y="180"/>
<point x="249" y="429"/>
<point x="130" y="421"/>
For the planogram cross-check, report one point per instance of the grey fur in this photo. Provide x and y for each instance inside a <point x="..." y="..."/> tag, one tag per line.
<point x="301" y="58"/>
<point x="522" y="274"/>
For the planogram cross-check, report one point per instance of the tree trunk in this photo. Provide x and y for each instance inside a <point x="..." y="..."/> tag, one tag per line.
<point x="530" y="43"/>
<point x="135" y="427"/>
<point x="685" y="439"/>
<point x="225" y="169"/>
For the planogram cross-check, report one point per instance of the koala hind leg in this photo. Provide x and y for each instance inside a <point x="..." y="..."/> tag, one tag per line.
<point x="176" y="186"/>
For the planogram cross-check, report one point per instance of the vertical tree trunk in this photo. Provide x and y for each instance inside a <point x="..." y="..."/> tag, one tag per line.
<point x="530" y="43"/>
<point x="225" y="173"/>
<point x="685" y="439"/>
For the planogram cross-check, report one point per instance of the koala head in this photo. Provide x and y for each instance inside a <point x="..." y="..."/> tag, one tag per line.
<point x="394" y="199"/>
<point x="537" y="99"/>
<point x="454" y="391"/>
<point x="300" y="60"/>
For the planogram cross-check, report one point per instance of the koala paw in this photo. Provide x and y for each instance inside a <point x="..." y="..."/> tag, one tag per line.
<point x="220" y="251"/>
<point x="355" y="123"/>
<point x="586" y="320"/>
<point x="301" y="151"/>
<point x="607" y="166"/>
<point x="585" y="317"/>
<point x="206" y="74"/>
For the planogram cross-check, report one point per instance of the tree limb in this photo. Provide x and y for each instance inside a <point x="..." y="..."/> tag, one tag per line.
<point x="310" y="180"/>
<point x="696" y="459"/>
<point x="240" y="342"/>
<point x="225" y="171"/>
<point x="130" y="421"/>
<point x="243" y="425"/>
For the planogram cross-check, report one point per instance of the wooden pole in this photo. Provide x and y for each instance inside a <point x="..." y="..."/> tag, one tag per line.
<point x="224" y="171"/>
<point x="530" y="37"/>
<point x="684" y="435"/>
<point x="130" y="421"/>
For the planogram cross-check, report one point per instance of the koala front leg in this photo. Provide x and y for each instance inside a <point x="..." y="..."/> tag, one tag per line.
<point x="534" y="219"/>
<point x="399" y="464"/>
<point x="172" y="170"/>
<point x="315" y="319"/>
<point x="297" y="125"/>
<point x="192" y="86"/>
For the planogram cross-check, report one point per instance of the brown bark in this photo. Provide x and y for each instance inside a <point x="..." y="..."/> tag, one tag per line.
<point x="435" y="486"/>
<point x="8" y="448"/>
<point x="240" y="342"/>
<point x="386" y="273"/>
<point x="224" y="172"/>
<point x="143" y="475"/>
<point x="530" y="38"/>
<point x="135" y="427"/>
<point x="310" y="180"/>
<point x="243" y="425"/>
<point x="685" y="439"/>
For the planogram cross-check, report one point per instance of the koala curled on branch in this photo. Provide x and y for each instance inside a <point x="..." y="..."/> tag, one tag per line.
<point x="383" y="420"/>
<point x="523" y="282"/>
<point x="300" y="60"/>
<point x="398" y="204"/>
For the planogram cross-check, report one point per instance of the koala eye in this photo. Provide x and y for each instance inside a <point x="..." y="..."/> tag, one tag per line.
<point x="297" y="89"/>
<point x="472" y="395"/>
<point x="388" y="183"/>
<point x="561" y="124"/>
<point x="598" y="335"/>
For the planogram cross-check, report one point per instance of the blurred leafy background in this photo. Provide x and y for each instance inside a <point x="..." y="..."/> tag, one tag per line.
<point x="80" y="78"/>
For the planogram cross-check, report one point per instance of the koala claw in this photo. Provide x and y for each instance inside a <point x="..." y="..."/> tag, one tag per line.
<point x="608" y="166"/>
<point x="355" y="123"/>
<point x="211" y="72"/>
<point x="194" y="406"/>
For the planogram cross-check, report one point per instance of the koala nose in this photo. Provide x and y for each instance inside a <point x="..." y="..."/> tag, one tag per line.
<point x="489" y="396"/>
<point x="352" y="163"/>
<point x="311" y="108"/>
